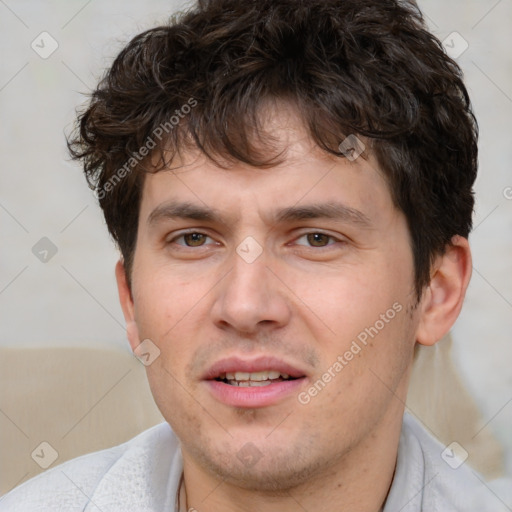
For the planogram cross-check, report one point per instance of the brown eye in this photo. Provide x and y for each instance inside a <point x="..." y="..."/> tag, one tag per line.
<point x="318" y="239"/>
<point x="194" y="239"/>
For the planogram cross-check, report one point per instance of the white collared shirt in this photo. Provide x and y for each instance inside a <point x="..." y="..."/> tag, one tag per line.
<point x="143" y="475"/>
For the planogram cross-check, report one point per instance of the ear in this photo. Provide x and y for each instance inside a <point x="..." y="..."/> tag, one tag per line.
<point x="443" y="298"/>
<point x="127" y="305"/>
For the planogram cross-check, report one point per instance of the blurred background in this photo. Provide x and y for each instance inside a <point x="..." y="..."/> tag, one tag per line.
<point x="57" y="284"/>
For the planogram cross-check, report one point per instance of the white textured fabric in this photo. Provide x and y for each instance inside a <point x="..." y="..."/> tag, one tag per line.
<point x="424" y="482"/>
<point x="138" y="476"/>
<point x="143" y="474"/>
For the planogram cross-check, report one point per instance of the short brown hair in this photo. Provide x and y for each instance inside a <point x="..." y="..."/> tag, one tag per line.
<point x="364" y="67"/>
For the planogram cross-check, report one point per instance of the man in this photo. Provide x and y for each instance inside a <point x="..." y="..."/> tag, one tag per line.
<point x="290" y="187"/>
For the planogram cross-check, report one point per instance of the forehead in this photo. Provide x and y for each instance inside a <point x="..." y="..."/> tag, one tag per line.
<point x="306" y="182"/>
<point x="280" y="195"/>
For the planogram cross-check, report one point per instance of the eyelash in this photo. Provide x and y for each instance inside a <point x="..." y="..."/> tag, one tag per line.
<point x="330" y="237"/>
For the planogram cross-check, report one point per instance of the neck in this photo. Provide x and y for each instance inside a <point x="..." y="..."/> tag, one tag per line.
<point x="358" y="482"/>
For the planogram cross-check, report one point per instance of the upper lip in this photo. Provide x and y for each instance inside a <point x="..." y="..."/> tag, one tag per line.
<point x="260" y="364"/>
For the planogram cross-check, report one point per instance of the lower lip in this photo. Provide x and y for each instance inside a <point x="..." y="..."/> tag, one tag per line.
<point x="257" y="396"/>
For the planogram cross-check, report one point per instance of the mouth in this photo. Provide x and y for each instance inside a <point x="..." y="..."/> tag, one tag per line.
<point x="253" y="383"/>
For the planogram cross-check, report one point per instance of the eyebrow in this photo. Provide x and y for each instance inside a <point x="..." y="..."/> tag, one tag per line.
<point x="183" y="210"/>
<point x="328" y="210"/>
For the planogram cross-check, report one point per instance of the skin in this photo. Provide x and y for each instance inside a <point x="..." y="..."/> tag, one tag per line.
<point x="304" y="300"/>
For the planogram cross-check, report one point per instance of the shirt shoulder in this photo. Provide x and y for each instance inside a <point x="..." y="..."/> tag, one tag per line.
<point x="135" y="475"/>
<point x="432" y="477"/>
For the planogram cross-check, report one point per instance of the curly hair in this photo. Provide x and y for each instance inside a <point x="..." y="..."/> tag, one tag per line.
<point x="365" y="67"/>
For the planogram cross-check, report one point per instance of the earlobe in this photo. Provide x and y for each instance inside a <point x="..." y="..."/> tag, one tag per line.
<point x="127" y="305"/>
<point x="443" y="298"/>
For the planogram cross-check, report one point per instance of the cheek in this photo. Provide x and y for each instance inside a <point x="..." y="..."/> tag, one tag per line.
<point x="171" y="394"/>
<point x="345" y="301"/>
<point x="362" y="317"/>
<point x="163" y="301"/>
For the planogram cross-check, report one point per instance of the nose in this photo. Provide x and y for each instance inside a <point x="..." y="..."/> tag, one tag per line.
<point x="250" y="298"/>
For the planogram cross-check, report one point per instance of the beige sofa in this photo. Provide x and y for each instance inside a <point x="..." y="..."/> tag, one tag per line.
<point x="80" y="400"/>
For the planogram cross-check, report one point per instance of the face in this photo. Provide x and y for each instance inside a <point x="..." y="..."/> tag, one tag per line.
<point x="303" y="270"/>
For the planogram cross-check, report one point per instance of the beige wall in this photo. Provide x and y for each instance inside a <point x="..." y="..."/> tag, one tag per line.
<point x="71" y="299"/>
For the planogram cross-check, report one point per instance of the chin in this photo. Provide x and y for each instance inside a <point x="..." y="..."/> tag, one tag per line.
<point x="267" y="471"/>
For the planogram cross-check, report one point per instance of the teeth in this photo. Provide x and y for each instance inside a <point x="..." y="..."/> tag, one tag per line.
<point x="249" y="383"/>
<point x="255" y="378"/>
<point x="260" y="376"/>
